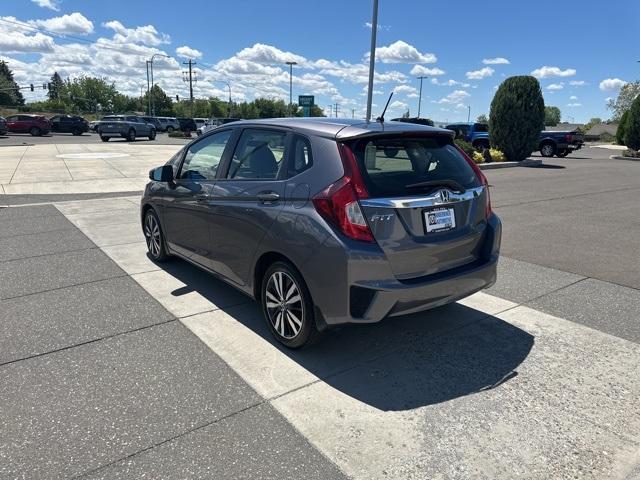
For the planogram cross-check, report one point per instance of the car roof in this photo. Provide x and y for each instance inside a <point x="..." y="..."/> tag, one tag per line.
<point x="340" y="128"/>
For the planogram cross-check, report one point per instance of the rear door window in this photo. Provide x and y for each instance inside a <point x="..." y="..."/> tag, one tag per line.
<point x="259" y="155"/>
<point x="400" y="167"/>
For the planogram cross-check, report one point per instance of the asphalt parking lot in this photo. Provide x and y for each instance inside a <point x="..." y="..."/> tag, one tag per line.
<point x="85" y="138"/>
<point x="113" y="367"/>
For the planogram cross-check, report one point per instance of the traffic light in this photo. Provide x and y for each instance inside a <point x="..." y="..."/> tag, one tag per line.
<point x="177" y="98"/>
<point x="32" y="87"/>
<point x="44" y="86"/>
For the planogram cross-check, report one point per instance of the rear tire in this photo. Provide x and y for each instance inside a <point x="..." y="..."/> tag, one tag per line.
<point x="152" y="135"/>
<point x="547" y="150"/>
<point x="131" y="135"/>
<point x="76" y="132"/>
<point x="287" y="306"/>
<point x="170" y="129"/>
<point x="104" y="139"/>
<point x="35" y="131"/>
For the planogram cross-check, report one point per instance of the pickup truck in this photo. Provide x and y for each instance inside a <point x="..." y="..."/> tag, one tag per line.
<point x="477" y="134"/>
<point x="125" y="126"/>
<point x="559" y="143"/>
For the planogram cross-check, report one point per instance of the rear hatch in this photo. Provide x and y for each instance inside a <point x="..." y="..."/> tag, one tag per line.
<point x="427" y="205"/>
<point x="111" y="124"/>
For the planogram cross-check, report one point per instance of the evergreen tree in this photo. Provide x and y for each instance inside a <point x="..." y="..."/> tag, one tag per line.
<point x="632" y="127"/>
<point x="56" y="87"/>
<point x="516" y="117"/>
<point x="622" y="128"/>
<point x="10" y="94"/>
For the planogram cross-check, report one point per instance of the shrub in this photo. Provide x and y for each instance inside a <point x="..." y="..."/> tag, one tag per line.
<point x="631" y="153"/>
<point x="516" y="117"/>
<point x="465" y="146"/>
<point x="632" y="128"/>
<point x="622" y="128"/>
<point x="497" y="155"/>
<point x="478" y="157"/>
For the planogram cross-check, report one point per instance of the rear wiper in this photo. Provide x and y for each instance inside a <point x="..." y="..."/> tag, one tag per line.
<point x="452" y="184"/>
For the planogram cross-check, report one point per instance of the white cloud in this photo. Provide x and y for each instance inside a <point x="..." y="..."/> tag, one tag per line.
<point x="18" y="39"/>
<point x="574" y="104"/>
<point x="73" y="24"/>
<point x="430" y="72"/>
<point x="450" y="83"/>
<point x="146" y="35"/>
<point x="50" y="4"/>
<point x="456" y="97"/>
<point x="577" y="83"/>
<point x="369" y="25"/>
<point x="496" y="61"/>
<point x="398" y="105"/>
<point x="609" y="84"/>
<point x="480" y="74"/>
<point x="268" y="54"/>
<point x="405" y="89"/>
<point x="545" y="72"/>
<point x="356" y="72"/>
<point x="188" y="52"/>
<point x="573" y="97"/>
<point x="402" y="52"/>
<point x="555" y="86"/>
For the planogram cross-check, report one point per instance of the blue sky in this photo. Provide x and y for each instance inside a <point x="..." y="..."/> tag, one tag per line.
<point x="581" y="54"/>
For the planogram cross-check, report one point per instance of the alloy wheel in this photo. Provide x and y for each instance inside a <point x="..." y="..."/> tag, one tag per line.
<point x="284" y="305"/>
<point x="152" y="235"/>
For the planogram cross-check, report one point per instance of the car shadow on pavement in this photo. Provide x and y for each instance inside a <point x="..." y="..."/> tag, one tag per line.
<point x="398" y="364"/>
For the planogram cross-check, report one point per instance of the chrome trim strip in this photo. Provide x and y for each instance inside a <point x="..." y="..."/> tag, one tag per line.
<point x="443" y="196"/>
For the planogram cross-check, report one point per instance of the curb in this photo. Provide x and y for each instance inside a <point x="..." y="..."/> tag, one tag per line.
<point x="524" y="163"/>
<point x="620" y="157"/>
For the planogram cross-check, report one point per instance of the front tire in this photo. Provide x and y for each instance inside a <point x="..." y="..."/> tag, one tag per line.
<point x="547" y="150"/>
<point x="169" y="129"/>
<point x="35" y="131"/>
<point x="131" y="135"/>
<point x="287" y="306"/>
<point x="104" y="139"/>
<point x="152" y="135"/>
<point x="154" y="237"/>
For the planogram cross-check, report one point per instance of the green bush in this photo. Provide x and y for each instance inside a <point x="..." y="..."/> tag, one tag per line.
<point x="465" y="146"/>
<point x="631" y="153"/>
<point x="622" y="128"/>
<point x="632" y="128"/>
<point x="516" y="117"/>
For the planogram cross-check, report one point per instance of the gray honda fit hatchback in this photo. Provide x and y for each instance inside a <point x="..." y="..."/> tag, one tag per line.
<point x="327" y="221"/>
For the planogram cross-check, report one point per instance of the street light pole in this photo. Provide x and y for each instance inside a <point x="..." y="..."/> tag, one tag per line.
<point x="372" y="56"/>
<point x="291" y="64"/>
<point x="148" y="92"/>
<point x="420" y="95"/>
<point x="152" y="108"/>
<point x="469" y="114"/>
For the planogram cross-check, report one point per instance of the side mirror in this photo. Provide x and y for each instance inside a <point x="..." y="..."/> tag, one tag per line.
<point x="162" y="174"/>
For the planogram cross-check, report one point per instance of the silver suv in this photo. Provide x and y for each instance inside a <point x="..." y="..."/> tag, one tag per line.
<point x="327" y="221"/>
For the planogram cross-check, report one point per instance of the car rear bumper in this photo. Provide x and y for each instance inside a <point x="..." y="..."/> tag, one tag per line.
<point x="358" y="286"/>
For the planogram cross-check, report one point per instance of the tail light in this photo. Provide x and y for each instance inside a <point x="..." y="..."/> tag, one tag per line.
<point x="338" y="203"/>
<point x="481" y="176"/>
<point x="568" y="137"/>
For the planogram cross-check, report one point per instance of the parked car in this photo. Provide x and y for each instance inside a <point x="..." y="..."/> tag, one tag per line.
<point x="3" y="126"/>
<point x="560" y="143"/>
<point x="213" y="123"/>
<point x="34" y="124"/>
<point x="327" y="221"/>
<point x="477" y="134"/>
<point x="93" y="125"/>
<point x="69" y="124"/>
<point x="201" y="122"/>
<point x="125" y="126"/>
<point x="187" y="124"/>
<point x="155" y="121"/>
<point x="169" y="124"/>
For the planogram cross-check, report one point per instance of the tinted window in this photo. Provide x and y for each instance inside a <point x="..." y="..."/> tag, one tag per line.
<point x="13" y="118"/>
<point x="202" y="158"/>
<point x="393" y="167"/>
<point x="481" y="127"/>
<point x="132" y="119"/>
<point x="259" y="155"/>
<point x="300" y="156"/>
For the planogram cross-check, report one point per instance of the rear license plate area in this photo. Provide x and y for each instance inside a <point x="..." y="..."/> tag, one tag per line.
<point x="439" y="220"/>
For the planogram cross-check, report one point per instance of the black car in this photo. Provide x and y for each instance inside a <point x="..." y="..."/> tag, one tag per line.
<point x="155" y="121"/>
<point x="69" y="124"/>
<point x="3" y="126"/>
<point x="187" y="124"/>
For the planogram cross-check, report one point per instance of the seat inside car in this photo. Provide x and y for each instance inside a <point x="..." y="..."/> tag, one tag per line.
<point x="262" y="163"/>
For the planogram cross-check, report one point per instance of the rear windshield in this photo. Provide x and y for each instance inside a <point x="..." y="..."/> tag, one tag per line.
<point x="395" y="167"/>
<point x="481" y="127"/>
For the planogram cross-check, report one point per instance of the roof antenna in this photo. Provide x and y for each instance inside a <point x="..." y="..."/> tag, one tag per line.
<point x="381" y="117"/>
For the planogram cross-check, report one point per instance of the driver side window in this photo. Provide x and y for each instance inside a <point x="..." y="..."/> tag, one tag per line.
<point x="202" y="158"/>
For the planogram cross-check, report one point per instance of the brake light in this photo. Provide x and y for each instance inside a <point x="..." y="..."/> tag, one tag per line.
<point x="338" y="203"/>
<point x="568" y="137"/>
<point x="481" y="176"/>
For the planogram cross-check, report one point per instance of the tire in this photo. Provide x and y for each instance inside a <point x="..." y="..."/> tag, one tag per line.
<point x="169" y="129"/>
<point x="290" y="321"/>
<point x="154" y="237"/>
<point x="152" y="134"/>
<point x="547" y="149"/>
<point x="76" y="132"/>
<point x="104" y="139"/>
<point x="131" y="135"/>
<point x="35" y="131"/>
<point x="563" y="153"/>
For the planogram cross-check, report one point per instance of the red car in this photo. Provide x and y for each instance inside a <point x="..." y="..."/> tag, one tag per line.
<point x="33" y="124"/>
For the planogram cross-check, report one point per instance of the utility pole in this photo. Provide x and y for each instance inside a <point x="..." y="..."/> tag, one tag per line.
<point x="420" y="95"/>
<point x="148" y="92"/>
<point x="372" y="56"/>
<point x="337" y="106"/>
<point x="291" y="64"/>
<point x="469" y="114"/>
<point x="353" y="113"/>
<point x="191" y="63"/>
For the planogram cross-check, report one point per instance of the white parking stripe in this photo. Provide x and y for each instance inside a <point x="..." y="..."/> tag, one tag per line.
<point x="481" y="389"/>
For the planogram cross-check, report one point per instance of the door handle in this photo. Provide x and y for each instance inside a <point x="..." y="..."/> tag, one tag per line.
<point x="268" y="197"/>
